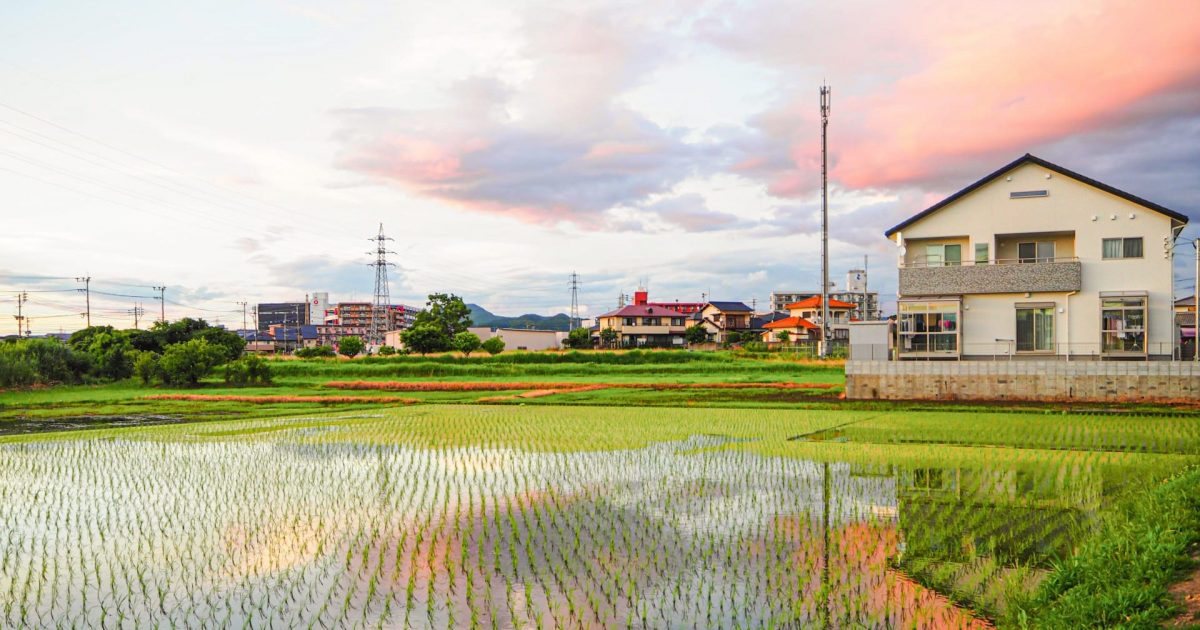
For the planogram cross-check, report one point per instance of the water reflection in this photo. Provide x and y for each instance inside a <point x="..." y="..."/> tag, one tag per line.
<point x="286" y="531"/>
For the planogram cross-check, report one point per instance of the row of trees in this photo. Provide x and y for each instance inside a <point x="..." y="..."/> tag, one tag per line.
<point x="176" y="353"/>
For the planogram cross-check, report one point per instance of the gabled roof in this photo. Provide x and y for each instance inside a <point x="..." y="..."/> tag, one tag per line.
<point x="760" y="321"/>
<point x="1033" y="159"/>
<point x="815" y="302"/>
<point x="643" y="310"/>
<point x="730" y="306"/>
<point x="792" y="322"/>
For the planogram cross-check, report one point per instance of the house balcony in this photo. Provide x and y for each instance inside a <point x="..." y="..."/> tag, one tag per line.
<point x="998" y="276"/>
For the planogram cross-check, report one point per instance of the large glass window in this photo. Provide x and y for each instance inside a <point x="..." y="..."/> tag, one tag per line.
<point x="1123" y="325"/>
<point x="1035" y="252"/>
<point x="981" y="253"/>
<point x="929" y="327"/>
<point x="943" y="255"/>
<point x="1116" y="248"/>
<point x="1035" y="328"/>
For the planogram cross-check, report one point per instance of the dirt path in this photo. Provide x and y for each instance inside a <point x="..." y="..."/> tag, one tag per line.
<point x="1187" y="593"/>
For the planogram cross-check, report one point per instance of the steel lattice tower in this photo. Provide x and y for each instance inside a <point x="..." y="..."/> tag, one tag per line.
<point x="574" y="302"/>
<point x="382" y="303"/>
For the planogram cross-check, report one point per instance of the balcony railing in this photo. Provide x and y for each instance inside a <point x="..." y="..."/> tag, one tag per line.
<point x="1027" y="275"/>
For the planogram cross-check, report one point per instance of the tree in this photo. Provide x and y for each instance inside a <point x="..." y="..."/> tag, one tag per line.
<point x="230" y="342"/>
<point x="351" y="346"/>
<point x="447" y="312"/>
<point x="609" y="337"/>
<point x="425" y="338"/>
<point x="467" y="342"/>
<point x="386" y="351"/>
<point x="187" y="363"/>
<point x="494" y="346"/>
<point x="248" y="370"/>
<point x="146" y="367"/>
<point x="579" y="339"/>
<point x="784" y="336"/>
<point x="111" y="351"/>
<point x="695" y="334"/>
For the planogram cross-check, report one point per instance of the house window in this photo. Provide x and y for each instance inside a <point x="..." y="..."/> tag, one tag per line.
<point x="1123" y="325"/>
<point x="929" y="327"/>
<point x="651" y="321"/>
<point x="676" y="321"/>
<point x="1035" y="327"/>
<point x="943" y="255"/>
<point x="630" y="321"/>
<point x="1036" y="252"/>
<point x="981" y="253"/>
<point x="1116" y="248"/>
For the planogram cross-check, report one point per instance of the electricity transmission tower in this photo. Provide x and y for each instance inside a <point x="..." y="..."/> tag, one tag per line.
<point x="826" y="333"/>
<point x="574" y="284"/>
<point x="382" y="304"/>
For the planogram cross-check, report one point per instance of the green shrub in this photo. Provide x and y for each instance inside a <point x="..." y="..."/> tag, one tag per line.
<point x="316" y="352"/>
<point x="467" y="342"/>
<point x="386" y="351"/>
<point x="146" y="367"/>
<point x="351" y="346"/>
<point x="249" y="370"/>
<point x="493" y="346"/>
<point x="28" y="362"/>
<point x="187" y="363"/>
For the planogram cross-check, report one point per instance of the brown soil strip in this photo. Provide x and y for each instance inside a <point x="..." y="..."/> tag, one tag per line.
<point x="285" y="399"/>
<point x="1187" y="594"/>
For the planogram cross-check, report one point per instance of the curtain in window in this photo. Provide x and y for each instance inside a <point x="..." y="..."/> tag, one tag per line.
<point x="1133" y="247"/>
<point x="1113" y="248"/>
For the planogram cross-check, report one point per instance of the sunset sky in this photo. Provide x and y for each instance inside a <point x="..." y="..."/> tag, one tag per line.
<point x="246" y="149"/>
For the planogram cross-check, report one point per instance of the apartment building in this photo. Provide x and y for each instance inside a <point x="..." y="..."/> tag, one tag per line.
<point x="1037" y="261"/>
<point x="643" y="325"/>
<point x="866" y="303"/>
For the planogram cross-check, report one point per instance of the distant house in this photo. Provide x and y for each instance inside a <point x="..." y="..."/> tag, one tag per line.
<point x="719" y="319"/>
<point x="804" y="320"/>
<point x="1037" y="261"/>
<point x="644" y="326"/>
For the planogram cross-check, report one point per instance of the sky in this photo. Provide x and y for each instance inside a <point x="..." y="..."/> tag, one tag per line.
<point x="246" y="150"/>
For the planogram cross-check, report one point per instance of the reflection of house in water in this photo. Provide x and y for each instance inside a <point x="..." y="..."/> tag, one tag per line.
<point x="966" y="529"/>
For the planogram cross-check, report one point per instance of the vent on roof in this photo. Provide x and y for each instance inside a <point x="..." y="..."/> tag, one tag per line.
<point x="1025" y="194"/>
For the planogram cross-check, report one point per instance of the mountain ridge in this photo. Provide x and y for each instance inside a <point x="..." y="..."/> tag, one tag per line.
<point x="482" y="317"/>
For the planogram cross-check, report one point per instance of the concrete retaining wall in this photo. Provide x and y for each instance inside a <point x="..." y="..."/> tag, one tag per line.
<point x="1113" y="381"/>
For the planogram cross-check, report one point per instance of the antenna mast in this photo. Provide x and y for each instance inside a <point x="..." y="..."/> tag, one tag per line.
<point x="382" y="302"/>
<point x="825" y="330"/>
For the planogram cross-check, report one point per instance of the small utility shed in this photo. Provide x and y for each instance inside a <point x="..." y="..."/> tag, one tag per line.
<point x="871" y="341"/>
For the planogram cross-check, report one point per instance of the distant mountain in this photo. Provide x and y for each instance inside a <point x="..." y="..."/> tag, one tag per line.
<point x="482" y="317"/>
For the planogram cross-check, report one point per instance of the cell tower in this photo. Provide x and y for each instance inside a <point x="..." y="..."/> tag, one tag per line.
<point x="574" y="283"/>
<point x="382" y="303"/>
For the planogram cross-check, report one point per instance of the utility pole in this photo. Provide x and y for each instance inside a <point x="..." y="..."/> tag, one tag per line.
<point x="379" y="309"/>
<point x="22" y="297"/>
<point x="1196" y="305"/>
<point x="825" y="331"/>
<point x="243" y="305"/>
<point x="162" y="303"/>
<point x="137" y="312"/>
<point x="87" y="291"/>
<point x="574" y="284"/>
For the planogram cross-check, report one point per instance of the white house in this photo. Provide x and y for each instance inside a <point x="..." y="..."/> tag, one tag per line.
<point x="1037" y="261"/>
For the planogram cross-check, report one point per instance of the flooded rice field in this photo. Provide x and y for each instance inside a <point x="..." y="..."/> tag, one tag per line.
<point x="286" y="525"/>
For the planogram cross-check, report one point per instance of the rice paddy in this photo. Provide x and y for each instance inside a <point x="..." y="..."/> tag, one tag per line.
<point x="449" y="516"/>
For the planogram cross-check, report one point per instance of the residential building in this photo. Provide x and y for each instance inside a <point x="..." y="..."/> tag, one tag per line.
<point x="804" y="320"/>
<point x="866" y="303"/>
<point x="282" y="314"/>
<point x="721" y="318"/>
<point x="1034" y="260"/>
<point x="643" y="325"/>
<point x="522" y="338"/>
